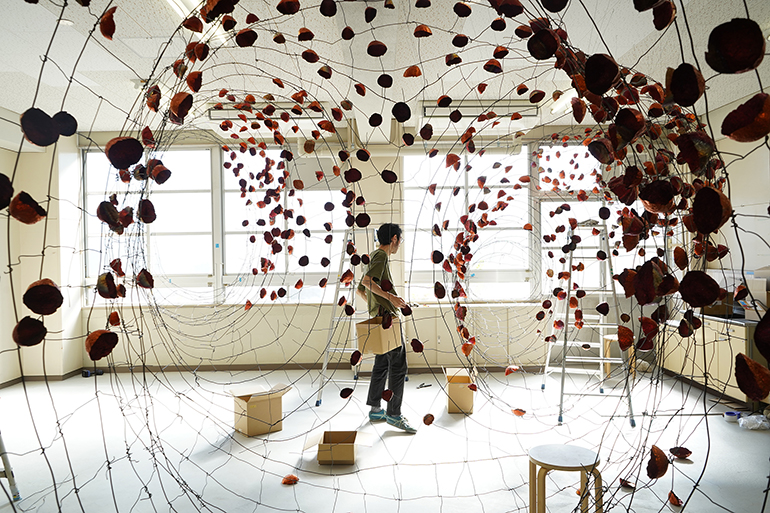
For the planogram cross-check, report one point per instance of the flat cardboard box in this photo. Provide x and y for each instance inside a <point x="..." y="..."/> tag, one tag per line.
<point x="460" y="397"/>
<point x="373" y="339"/>
<point x="259" y="410"/>
<point x="720" y="308"/>
<point x="337" y="448"/>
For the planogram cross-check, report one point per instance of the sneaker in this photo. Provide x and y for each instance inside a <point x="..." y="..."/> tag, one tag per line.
<point x="377" y="416"/>
<point x="400" y="422"/>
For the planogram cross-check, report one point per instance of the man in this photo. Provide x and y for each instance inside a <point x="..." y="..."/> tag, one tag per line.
<point x="391" y="365"/>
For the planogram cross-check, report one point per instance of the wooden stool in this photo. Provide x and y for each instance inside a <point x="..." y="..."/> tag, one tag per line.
<point x="569" y="458"/>
<point x="608" y="340"/>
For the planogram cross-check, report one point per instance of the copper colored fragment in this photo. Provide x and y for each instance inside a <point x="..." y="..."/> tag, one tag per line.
<point x="493" y="66"/>
<point x="663" y="14"/>
<point x="39" y="128"/>
<point x="428" y="419"/>
<point x="680" y="452"/>
<point x="65" y="123"/>
<point x="658" y="464"/>
<point x="288" y="6"/>
<point x="6" y="191"/>
<point x="193" y="23"/>
<point x="762" y="334"/>
<point x="736" y="46"/>
<point x="554" y="5"/>
<point x="105" y="286"/>
<point x="543" y="44"/>
<point x="100" y="343"/>
<point x="422" y="31"/>
<point x="376" y="49"/>
<point x="25" y="209"/>
<point x="698" y="289"/>
<point x="601" y="73"/>
<point x="145" y="280"/>
<point x="753" y="378"/>
<point x="29" y="332"/>
<point x="124" y="152"/>
<point x="146" y="212"/>
<point x="43" y="297"/>
<point x="114" y="319"/>
<point x="658" y="197"/>
<point x="711" y="209"/>
<point x="750" y="121"/>
<point x="687" y="85"/>
<point x="625" y="338"/>
<point x="245" y="38"/>
<point x="107" y="23"/>
<point x="412" y="71"/>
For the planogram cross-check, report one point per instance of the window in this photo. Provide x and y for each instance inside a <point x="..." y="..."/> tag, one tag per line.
<point x="182" y="232"/>
<point x="489" y="190"/>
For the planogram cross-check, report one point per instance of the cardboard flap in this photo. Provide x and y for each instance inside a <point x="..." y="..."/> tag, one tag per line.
<point x="457" y="375"/>
<point x="259" y="392"/>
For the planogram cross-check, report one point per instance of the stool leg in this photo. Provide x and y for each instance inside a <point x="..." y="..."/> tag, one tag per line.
<point x="532" y="487"/>
<point x="598" y="490"/>
<point x="583" y="491"/>
<point x="541" y="490"/>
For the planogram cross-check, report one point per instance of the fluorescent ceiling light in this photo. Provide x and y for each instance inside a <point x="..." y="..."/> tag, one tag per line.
<point x="564" y="103"/>
<point x="184" y="7"/>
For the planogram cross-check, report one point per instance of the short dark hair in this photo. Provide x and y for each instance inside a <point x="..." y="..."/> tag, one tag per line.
<point x="387" y="231"/>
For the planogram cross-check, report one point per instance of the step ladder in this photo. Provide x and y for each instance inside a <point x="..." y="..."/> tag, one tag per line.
<point x="344" y="323"/>
<point x="591" y="365"/>
<point x="7" y="471"/>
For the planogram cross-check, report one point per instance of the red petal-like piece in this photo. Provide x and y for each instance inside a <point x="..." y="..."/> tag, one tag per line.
<point x="736" y="46"/>
<point x="43" y="297"/>
<point x="698" y="289"/>
<point x="750" y="121"/>
<point x="346" y="392"/>
<point x="245" y="37"/>
<point x="100" y="343"/>
<point x="601" y="72"/>
<point x="29" y="332"/>
<point x="753" y="378"/>
<point x="710" y="209"/>
<point x="625" y="338"/>
<point x="145" y="280"/>
<point x="181" y="104"/>
<point x="124" y="152"/>
<point x="680" y="258"/>
<point x="663" y="14"/>
<point x="25" y="209"/>
<point x="762" y="335"/>
<point x="39" y="128"/>
<point x="105" y="286"/>
<point x="193" y="23"/>
<point x="673" y="499"/>
<point x="680" y="452"/>
<point x="658" y="464"/>
<point x="687" y="85"/>
<point x="428" y="419"/>
<point x="543" y="44"/>
<point x="387" y="395"/>
<point x="290" y="479"/>
<point x="107" y="23"/>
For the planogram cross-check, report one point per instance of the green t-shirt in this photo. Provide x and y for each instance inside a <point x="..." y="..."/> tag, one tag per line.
<point x="379" y="270"/>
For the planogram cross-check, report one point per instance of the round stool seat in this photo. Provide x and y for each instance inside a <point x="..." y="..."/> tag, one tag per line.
<point x="569" y="458"/>
<point x="564" y="457"/>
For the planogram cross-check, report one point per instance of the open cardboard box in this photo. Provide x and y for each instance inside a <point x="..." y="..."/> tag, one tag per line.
<point x="259" y="410"/>
<point x="459" y="396"/>
<point x="373" y="339"/>
<point x="337" y="447"/>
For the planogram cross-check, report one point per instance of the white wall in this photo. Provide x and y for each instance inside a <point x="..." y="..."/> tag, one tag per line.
<point x="9" y="364"/>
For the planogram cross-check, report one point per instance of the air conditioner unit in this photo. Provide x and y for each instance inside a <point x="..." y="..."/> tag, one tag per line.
<point x="500" y="123"/>
<point x="232" y="114"/>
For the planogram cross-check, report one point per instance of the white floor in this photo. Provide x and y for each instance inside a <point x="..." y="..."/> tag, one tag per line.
<point x="166" y="443"/>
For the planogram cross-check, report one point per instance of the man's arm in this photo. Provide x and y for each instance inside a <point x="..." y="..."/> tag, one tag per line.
<point x="370" y="284"/>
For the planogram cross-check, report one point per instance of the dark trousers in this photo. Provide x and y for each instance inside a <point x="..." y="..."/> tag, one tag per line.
<point x="391" y="365"/>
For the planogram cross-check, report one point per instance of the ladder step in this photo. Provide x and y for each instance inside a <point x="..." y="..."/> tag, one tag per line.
<point x="593" y="359"/>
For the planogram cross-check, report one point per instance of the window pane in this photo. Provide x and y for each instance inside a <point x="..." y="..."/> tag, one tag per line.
<point x="181" y="212"/>
<point x="498" y="291"/>
<point x="313" y="209"/>
<point x="181" y="255"/>
<point x="316" y="248"/>
<point x="190" y="169"/>
<point x="102" y="250"/>
<point x="570" y="168"/>
<point x="501" y="249"/>
<point x="241" y="255"/>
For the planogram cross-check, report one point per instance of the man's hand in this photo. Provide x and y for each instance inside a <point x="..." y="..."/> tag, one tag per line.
<point x="396" y="301"/>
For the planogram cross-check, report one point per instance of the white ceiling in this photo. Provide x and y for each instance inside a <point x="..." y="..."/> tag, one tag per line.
<point x="107" y="94"/>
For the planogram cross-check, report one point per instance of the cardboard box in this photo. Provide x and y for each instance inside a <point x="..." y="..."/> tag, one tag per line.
<point x="460" y="397"/>
<point x="757" y="288"/>
<point x="373" y="339"/>
<point x="337" y="448"/>
<point x="720" y="308"/>
<point x="259" y="410"/>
